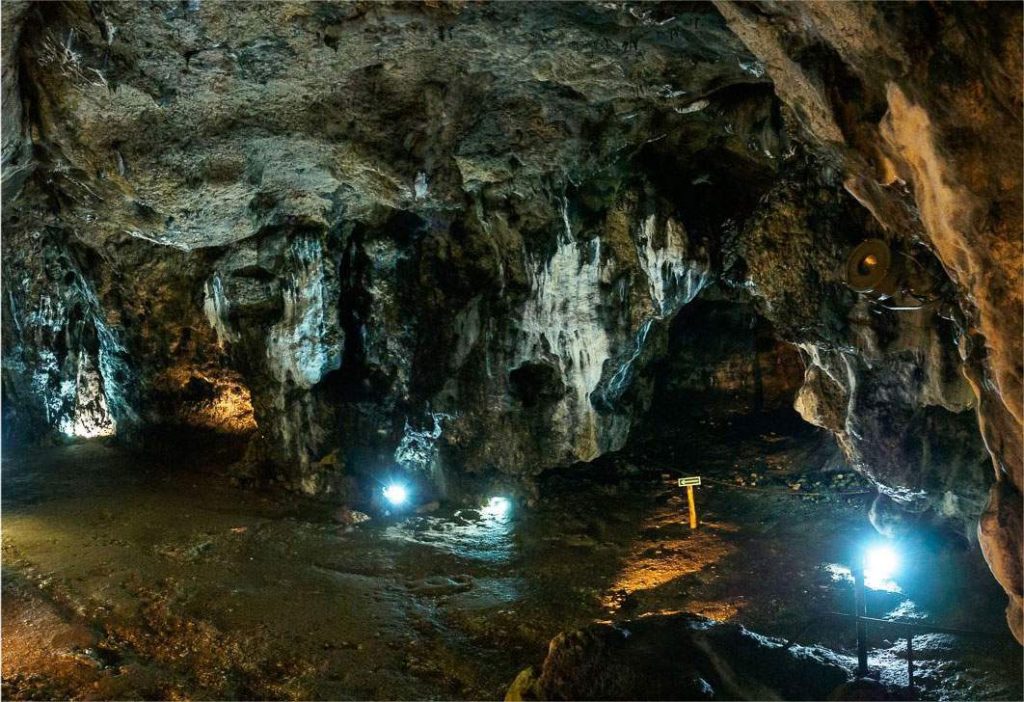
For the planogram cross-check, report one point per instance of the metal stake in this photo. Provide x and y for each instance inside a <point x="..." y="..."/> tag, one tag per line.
<point x="693" y="507"/>
<point x="860" y="610"/>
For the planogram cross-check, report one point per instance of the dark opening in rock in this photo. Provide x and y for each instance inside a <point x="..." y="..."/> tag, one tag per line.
<point x="536" y="383"/>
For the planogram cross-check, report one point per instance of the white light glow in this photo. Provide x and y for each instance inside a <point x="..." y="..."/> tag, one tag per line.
<point x="497" y="507"/>
<point x="880" y="565"/>
<point x="396" y="494"/>
<point x="84" y="429"/>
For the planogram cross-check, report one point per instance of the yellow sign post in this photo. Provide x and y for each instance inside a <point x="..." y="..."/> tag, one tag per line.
<point x="689" y="484"/>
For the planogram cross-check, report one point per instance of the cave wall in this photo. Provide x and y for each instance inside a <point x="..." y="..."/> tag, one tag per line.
<point x="920" y="107"/>
<point x="886" y="382"/>
<point x="360" y="233"/>
<point x="449" y="237"/>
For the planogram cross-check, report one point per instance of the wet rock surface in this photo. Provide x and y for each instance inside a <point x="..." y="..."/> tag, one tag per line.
<point x="678" y="656"/>
<point x="202" y="589"/>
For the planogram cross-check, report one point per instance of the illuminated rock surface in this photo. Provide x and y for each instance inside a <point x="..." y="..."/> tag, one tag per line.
<point x="455" y="238"/>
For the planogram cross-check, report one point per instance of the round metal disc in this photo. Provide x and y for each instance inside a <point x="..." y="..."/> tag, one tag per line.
<point x="868" y="266"/>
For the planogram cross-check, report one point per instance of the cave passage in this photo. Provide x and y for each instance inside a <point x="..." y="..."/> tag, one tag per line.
<point x="158" y="576"/>
<point x="359" y="350"/>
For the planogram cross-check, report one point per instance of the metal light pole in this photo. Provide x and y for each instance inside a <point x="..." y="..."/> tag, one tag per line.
<point x="860" y="610"/>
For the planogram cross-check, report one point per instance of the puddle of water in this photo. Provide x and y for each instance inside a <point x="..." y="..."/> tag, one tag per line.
<point x="472" y="534"/>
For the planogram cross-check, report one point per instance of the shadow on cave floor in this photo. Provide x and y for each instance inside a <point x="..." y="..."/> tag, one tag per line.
<point x="133" y="578"/>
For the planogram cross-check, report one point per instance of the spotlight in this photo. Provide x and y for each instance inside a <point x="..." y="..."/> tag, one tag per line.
<point x="396" y="494"/>
<point x="497" y="507"/>
<point x="881" y="562"/>
<point x="878" y="563"/>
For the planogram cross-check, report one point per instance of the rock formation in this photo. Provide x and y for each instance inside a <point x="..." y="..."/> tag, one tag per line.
<point x="921" y="109"/>
<point x="450" y="238"/>
<point x="678" y="656"/>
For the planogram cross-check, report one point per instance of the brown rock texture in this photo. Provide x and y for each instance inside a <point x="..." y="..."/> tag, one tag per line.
<point x="723" y="358"/>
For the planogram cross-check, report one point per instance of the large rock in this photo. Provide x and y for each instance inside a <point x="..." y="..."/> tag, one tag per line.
<point x="678" y="657"/>
<point x="722" y="357"/>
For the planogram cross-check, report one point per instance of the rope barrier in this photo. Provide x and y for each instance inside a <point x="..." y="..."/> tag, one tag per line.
<point x="920" y="626"/>
<point x="791" y="493"/>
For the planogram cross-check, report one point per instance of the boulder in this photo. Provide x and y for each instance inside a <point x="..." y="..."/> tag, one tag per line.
<point x="678" y="657"/>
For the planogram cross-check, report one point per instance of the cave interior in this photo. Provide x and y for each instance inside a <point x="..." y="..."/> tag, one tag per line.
<point x="362" y="350"/>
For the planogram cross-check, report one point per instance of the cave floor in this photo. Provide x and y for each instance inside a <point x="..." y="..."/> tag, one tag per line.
<point x="131" y="578"/>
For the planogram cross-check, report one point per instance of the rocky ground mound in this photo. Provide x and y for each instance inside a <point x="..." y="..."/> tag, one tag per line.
<point x="678" y="657"/>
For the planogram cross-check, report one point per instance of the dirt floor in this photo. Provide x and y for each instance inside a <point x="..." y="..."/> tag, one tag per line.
<point x="131" y="578"/>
